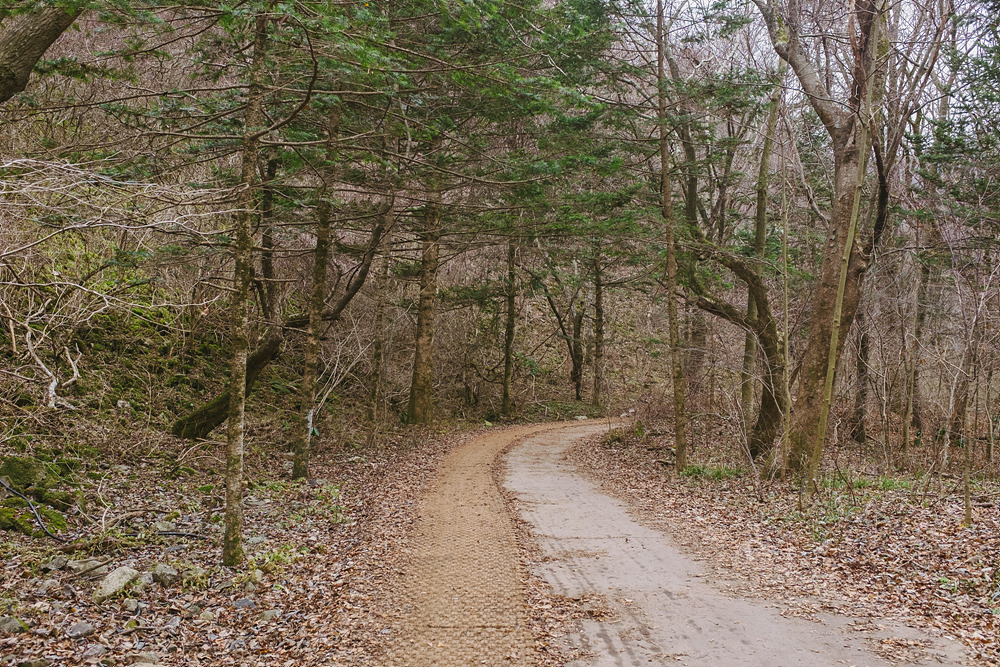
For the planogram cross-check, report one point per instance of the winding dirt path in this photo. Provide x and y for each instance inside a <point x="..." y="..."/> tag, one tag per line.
<point x="463" y="596"/>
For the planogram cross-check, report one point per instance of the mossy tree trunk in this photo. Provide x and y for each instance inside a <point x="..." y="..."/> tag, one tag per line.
<point x="232" y="545"/>
<point x="759" y="242"/>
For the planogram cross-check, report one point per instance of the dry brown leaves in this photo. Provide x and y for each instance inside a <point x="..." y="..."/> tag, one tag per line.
<point x="897" y="553"/>
<point x="324" y="552"/>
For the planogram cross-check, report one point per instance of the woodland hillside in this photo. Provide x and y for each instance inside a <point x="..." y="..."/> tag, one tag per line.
<point x="259" y="251"/>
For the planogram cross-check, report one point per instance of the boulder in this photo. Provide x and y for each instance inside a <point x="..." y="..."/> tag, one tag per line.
<point x="81" y="629"/>
<point x="115" y="583"/>
<point x="57" y="563"/>
<point x="22" y="472"/>
<point x="165" y="575"/>
<point x="10" y="625"/>
<point x="88" y="565"/>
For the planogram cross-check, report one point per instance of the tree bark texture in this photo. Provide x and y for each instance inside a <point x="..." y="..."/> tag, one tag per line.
<point x="232" y="545"/>
<point x="759" y="242"/>
<point x="421" y="405"/>
<point x="676" y="360"/>
<point x="838" y="288"/>
<point x="598" y="392"/>
<point x="310" y="374"/>
<point x="507" y="401"/>
<point x="859" y="430"/>
<point x="24" y="39"/>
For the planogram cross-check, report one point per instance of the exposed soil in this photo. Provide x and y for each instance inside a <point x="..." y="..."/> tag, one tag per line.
<point x="463" y="600"/>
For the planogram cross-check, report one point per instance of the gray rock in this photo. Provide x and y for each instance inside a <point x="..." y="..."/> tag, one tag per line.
<point x="257" y="539"/>
<point x="10" y="625"/>
<point x="195" y="575"/>
<point x="34" y="662"/>
<point x="249" y="587"/>
<point x="206" y="616"/>
<point x="114" y="584"/>
<point x="57" y="563"/>
<point x="165" y="526"/>
<point x="81" y="629"/>
<point x="257" y="576"/>
<point x="88" y="565"/>
<point x="147" y="657"/>
<point x="94" y="651"/>
<point x="165" y="575"/>
<point x="222" y="585"/>
<point x="45" y="586"/>
<point x="172" y="622"/>
<point x="270" y="615"/>
<point x="244" y="603"/>
<point x="131" y="604"/>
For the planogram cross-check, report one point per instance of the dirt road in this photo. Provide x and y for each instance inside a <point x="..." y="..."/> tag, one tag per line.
<point x="463" y="602"/>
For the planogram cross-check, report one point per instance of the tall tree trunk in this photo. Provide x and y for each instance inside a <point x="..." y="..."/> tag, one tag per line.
<point x="859" y="431"/>
<point x="576" y="350"/>
<point x="378" y="342"/>
<point x="507" y="402"/>
<point x="920" y="320"/>
<point x="421" y="405"/>
<point x="838" y="289"/>
<point x="676" y="361"/>
<point x="269" y="289"/>
<point x="598" y="393"/>
<point x="321" y="258"/>
<point x="759" y="241"/>
<point x="24" y="39"/>
<point x="232" y="545"/>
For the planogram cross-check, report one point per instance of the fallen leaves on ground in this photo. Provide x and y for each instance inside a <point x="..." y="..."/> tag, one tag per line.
<point x="318" y="556"/>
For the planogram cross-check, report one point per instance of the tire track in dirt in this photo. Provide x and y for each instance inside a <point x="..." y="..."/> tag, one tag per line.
<point x="462" y="600"/>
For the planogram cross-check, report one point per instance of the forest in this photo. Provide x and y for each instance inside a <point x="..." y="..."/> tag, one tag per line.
<point x="262" y="256"/>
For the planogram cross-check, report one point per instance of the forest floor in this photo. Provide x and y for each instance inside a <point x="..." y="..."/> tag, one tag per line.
<point x="359" y="566"/>
<point x="318" y="557"/>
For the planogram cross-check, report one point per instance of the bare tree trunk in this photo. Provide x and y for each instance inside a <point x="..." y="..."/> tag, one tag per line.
<point x="759" y="242"/>
<point x="507" y="403"/>
<point x="378" y="343"/>
<point x="676" y="361"/>
<point x="838" y="290"/>
<point x="576" y="350"/>
<point x="24" y="39"/>
<point x="421" y="405"/>
<point x="232" y="545"/>
<point x="859" y="431"/>
<point x="920" y="321"/>
<point x="269" y="289"/>
<point x="597" y="396"/>
<point x="321" y="258"/>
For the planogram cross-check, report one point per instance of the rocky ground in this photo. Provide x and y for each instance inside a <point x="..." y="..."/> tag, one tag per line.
<point x="134" y="576"/>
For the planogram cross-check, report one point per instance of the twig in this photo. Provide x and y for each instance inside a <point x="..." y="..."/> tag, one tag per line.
<point x="34" y="511"/>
